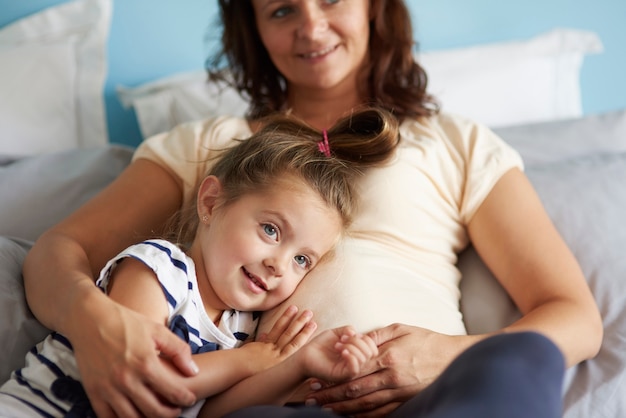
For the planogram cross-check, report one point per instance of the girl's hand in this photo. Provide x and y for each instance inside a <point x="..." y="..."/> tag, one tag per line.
<point x="409" y="358"/>
<point x="121" y="367"/>
<point x="290" y="332"/>
<point x="338" y="354"/>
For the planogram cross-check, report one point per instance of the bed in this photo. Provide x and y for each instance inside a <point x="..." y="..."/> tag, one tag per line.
<point x="576" y="162"/>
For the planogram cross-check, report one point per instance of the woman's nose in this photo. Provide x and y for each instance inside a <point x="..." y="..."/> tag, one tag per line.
<point x="313" y="21"/>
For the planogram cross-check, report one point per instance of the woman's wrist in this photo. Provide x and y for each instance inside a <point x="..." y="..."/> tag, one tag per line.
<point x="459" y="345"/>
<point x="86" y="304"/>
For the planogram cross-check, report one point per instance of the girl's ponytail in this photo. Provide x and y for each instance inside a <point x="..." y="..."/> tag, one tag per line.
<point x="366" y="138"/>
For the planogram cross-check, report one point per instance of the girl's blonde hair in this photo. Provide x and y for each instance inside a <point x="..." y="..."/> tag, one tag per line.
<point x="285" y="146"/>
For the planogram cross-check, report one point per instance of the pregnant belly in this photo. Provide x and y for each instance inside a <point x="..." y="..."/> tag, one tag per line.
<point x="368" y="287"/>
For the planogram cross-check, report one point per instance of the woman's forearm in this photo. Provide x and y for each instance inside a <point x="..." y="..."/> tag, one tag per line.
<point x="57" y="275"/>
<point x="61" y="268"/>
<point x="574" y="327"/>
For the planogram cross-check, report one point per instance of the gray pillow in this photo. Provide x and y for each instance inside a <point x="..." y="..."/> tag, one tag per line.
<point x="19" y="330"/>
<point x="560" y="140"/>
<point x="37" y="192"/>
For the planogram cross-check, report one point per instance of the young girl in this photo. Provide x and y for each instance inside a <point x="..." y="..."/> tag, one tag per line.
<point x="271" y="209"/>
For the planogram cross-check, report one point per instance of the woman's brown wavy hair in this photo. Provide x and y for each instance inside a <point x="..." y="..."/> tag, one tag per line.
<point x="395" y="81"/>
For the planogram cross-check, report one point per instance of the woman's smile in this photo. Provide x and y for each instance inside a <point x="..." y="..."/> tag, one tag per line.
<point x="319" y="53"/>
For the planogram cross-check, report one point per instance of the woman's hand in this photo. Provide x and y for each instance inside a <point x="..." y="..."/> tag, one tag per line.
<point x="121" y="367"/>
<point x="409" y="359"/>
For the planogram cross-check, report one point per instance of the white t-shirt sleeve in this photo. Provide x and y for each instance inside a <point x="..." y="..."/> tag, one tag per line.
<point x="485" y="159"/>
<point x="166" y="260"/>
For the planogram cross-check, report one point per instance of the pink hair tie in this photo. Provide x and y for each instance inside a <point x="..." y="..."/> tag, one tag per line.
<point x="323" y="145"/>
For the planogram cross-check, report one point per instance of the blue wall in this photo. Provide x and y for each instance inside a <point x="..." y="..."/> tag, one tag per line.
<point x="152" y="39"/>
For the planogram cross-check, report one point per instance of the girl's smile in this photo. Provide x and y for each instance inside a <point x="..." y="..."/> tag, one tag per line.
<point x="257" y="285"/>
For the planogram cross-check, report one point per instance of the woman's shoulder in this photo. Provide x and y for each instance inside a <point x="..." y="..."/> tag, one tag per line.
<point x="193" y="141"/>
<point x="443" y="122"/>
<point x="217" y="129"/>
<point x="454" y="136"/>
<point x="449" y="128"/>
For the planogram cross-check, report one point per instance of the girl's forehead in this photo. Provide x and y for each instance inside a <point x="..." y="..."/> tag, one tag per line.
<point x="291" y="181"/>
<point x="293" y="189"/>
<point x="291" y="192"/>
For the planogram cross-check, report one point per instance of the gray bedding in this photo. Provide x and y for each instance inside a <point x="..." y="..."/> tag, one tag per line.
<point x="577" y="166"/>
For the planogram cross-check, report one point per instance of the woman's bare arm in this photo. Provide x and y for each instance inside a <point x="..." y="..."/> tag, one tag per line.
<point x="517" y="240"/>
<point x="59" y="278"/>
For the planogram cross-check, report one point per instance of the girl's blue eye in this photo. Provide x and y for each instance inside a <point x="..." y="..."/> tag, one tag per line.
<point x="303" y="261"/>
<point x="271" y="231"/>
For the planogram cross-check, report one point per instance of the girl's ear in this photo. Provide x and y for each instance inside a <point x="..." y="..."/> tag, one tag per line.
<point x="208" y="197"/>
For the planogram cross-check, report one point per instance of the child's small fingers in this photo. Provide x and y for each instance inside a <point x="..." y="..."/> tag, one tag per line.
<point x="298" y="325"/>
<point x="368" y="347"/>
<point x="365" y="344"/>
<point x="356" y="341"/>
<point x="300" y="339"/>
<point x="355" y="352"/>
<point x="282" y="323"/>
<point x="349" y="331"/>
<point x="351" y="361"/>
<point x="345" y="333"/>
<point x="373" y="348"/>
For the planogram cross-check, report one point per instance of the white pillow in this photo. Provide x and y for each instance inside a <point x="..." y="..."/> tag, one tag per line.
<point x="513" y="83"/>
<point x="52" y="79"/>
<point x="165" y="103"/>
<point x="499" y="84"/>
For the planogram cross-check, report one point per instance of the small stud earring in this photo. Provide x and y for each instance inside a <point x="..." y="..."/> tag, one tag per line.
<point x="205" y="219"/>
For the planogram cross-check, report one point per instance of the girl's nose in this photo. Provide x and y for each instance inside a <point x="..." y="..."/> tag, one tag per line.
<point x="277" y="264"/>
